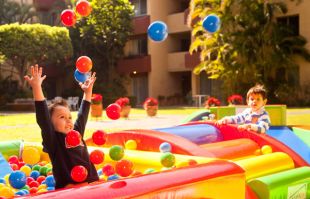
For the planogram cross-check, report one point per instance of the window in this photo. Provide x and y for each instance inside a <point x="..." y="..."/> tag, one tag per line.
<point x="292" y="22"/>
<point x="139" y="7"/>
<point x="136" y="47"/>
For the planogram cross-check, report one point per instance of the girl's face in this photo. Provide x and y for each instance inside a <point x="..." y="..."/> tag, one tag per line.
<point x="256" y="101"/>
<point x="62" y="119"/>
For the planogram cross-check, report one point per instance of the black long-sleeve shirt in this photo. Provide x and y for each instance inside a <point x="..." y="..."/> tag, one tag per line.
<point x="64" y="159"/>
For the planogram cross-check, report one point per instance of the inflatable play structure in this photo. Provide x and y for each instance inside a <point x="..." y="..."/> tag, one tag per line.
<point x="193" y="160"/>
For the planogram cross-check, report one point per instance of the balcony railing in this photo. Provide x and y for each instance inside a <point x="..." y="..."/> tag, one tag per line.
<point x="178" y="22"/>
<point x="138" y="64"/>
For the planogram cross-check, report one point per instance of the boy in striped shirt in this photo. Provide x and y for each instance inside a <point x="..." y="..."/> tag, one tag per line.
<point x="254" y="118"/>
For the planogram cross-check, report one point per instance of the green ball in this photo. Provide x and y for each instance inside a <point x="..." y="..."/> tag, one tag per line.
<point x="43" y="171"/>
<point x="149" y="170"/>
<point x="116" y="152"/>
<point x="36" y="168"/>
<point x="25" y="187"/>
<point x="167" y="159"/>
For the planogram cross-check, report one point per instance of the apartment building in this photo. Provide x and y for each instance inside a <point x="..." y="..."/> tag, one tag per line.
<point x="165" y="68"/>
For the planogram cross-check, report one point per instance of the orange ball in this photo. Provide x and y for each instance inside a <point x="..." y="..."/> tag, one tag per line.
<point x="83" y="8"/>
<point x="84" y="64"/>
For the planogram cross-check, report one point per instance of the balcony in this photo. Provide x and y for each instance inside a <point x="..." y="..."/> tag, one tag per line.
<point x="178" y="22"/>
<point x="191" y="61"/>
<point x="140" y="24"/>
<point x="139" y="64"/>
<point x="43" y="5"/>
<point x="176" y="62"/>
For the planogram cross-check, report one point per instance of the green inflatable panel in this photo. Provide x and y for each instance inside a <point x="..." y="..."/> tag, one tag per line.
<point x="303" y="134"/>
<point x="13" y="147"/>
<point x="197" y="116"/>
<point x="290" y="184"/>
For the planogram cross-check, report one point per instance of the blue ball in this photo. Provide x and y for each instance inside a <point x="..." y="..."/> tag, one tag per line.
<point x="17" y="179"/>
<point x="157" y="31"/>
<point x="50" y="188"/>
<point x="80" y="77"/>
<point x="50" y="181"/>
<point x="165" y="147"/>
<point x="99" y="172"/>
<point x="113" y="177"/>
<point x="211" y="23"/>
<point x="35" y="174"/>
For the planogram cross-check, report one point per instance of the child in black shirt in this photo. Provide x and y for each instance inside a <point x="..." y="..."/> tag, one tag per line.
<point x="55" y="122"/>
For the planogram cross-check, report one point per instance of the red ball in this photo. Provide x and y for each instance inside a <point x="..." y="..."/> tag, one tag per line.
<point x="33" y="190"/>
<point x="99" y="137"/>
<point x="108" y="170"/>
<point x="33" y="184"/>
<point x="14" y="167"/>
<point x="13" y="159"/>
<point x="113" y="111"/>
<point x="79" y="173"/>
<point x="28" y="180"/>
<point x="73" y="138"/>
<point x="96" y="157"/>
<point x="68" y="17"/>
<point x="40" y="179"/>
<point x="124" y="168"/>
<point x="84" y="64"/>
<point x="83" y="8"/>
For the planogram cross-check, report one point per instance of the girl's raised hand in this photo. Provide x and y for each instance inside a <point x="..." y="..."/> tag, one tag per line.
<point x="36" y="79"/>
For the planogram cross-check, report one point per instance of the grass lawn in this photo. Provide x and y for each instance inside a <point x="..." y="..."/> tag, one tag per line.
<point x="23" y="126"/>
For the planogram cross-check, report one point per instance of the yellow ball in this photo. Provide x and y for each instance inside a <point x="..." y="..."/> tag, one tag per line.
<point x="266" y="149"/>
<point x="131" y="144"/>
<point x="257" y="152"/>
<point x="6" y="192"/>
<point x="42" y="190"/>
<point x="31" y="155"/>
<point x="26" y="170"/>
<point x="42" y="186"/>
<point x="2" y="185"/>
<point x="6" y="178"/>
<point x="182" y="164"/>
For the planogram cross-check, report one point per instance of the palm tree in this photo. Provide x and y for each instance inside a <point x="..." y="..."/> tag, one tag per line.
<point x="250" y="46"/>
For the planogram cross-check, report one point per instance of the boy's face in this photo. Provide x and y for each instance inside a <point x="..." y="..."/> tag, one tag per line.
<point x="256" y="101"/>
<point x="62" y="120"/>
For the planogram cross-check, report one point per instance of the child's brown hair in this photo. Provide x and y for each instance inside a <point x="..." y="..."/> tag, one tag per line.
<point x="55" y="103"/>
<point x="257" y="89"/>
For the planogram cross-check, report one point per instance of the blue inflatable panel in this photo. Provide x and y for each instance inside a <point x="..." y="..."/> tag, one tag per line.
<point x="198" y="133"/>
<point x="4" y="167"/>
<point x="289" y="138"/>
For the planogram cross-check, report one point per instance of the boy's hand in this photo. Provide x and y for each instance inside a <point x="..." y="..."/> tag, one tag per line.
<point x="87" y="87"/>
<point x="36" y="79"/>
<point x="222" y="121"/>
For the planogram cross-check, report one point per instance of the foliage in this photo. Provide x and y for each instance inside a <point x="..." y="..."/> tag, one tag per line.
<point x="11" y="12"/>
<point x="123" y="101"/>
<point x="212" y="101"/>
<point x="249" y="47"/>
<point x="27" y="44"/>
<point x="96" y="99"/>
<point x="235" y="99"/>
<point x="150" y="102"/>
<point x="102" y="36"/>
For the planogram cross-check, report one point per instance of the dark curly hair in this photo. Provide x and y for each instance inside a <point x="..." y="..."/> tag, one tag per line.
<point x="257" y="89"/>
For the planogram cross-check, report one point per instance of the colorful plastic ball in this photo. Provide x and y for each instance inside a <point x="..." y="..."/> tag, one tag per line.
<point x="113" y="177"/>
<point x="42" y="186"/>
<point x="34" y="174"/>
<point x="116" y="152"/>
<point x="96" y="156"/>
<point x="36" y="167"/>
<point x="149" y="170"/>
<point x="99" y="172"/>
<point x="192" y="162"/>
<point x="13" y="159"/>
<point x="26" y="187"/>
<point x="26" y="191"/>
<point x="266" y="149"/>
<point x="68" y="17"/>
<point x="83" y="8"/>
<point x="73" y="138"/>
<point x="124" y="168"/>
<point x="29" y="179"/>
<point x="6" y="192"/>
<point x="79" y="173"/>
<point x="19" y="193"/>
<point x="211" y="23"/>
<point x="108" y="170"/>
<point x="165" y="147"/>
<point x="33" y="190"/>
<point x="136" y="173"/>
<point x="167" y="159"/>
<point x="31" y="155"/>
<point x="131" y="145"/>
<point x="14" y="167"/>
<point x="80" y="77"/>
<point x="113" y="111"/>
<point x="99" y="137"/>
<point x="50" y="188"/>
<point x="17" y="179"/>
<point x="6" y="178"/>
<point x="2" y="180"/>
<point x="50" y="181"/>
<point x="157" y="31"/>
<point x="43" y="170"/>
<point x="40" y="179"/>
<point x="26" y="169"/>
<point x="84" y="64"/>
